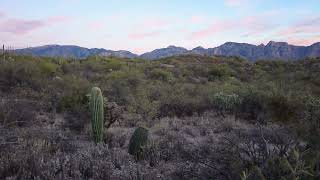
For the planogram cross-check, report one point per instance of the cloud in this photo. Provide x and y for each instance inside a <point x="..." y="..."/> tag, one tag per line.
<point x="20" y="26"/>
<point x="155" y="27"/>
<point x="2" y="14"/>
<point x="154" y="23"/>
<point x="306" y="26"/>
<point x="197" y="19"/>
<point x="304" y="41"/>
<point x="213" y="29"/>
<point x="58" y="19"/>
<point x="96" y="25"/>
<point x="24" y="26"/>
<point x="143" y="35"/>
<point x="235" y="3"/>
<point x="251" y="25"/>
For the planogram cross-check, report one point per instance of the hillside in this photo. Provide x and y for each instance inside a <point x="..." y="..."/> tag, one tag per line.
<point x="205" y="118"/>
<point x="273" y="50"/>
<point x="72" y="52"/>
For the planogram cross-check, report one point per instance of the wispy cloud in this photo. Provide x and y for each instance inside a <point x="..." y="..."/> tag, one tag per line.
<point x="154" y="23"/>
<point x="2" y="14"/>
<point x="143" y="35"/>
<point x="251" y="25"/>
<point x="306" y="26"/>
<point x="96" y="25"/>
<point x="235" y="3"/>
<point x="20" y="26"/>
<point x="197" y="19"/>
<point x="24" y="26"/>
<point x="149" y="27"/>
<point x="303" y="41"/>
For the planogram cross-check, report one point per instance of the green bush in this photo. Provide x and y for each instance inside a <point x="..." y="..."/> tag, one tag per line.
<point x="48" y="68"/>
<point x="218" y="72"/>
<point x="294" y="166"/>
<point x="71" y="93"/>
<point x="161" y="74"/>
<point x="225" y="102"/>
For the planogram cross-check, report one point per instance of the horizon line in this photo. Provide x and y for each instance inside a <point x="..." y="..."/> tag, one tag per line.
<point x="80" y="46"/>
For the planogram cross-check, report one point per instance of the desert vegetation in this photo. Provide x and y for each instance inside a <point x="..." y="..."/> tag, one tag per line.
<point x="183" y="117"/>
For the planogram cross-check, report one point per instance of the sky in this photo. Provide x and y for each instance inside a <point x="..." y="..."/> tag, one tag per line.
<point x="144" y="25"/>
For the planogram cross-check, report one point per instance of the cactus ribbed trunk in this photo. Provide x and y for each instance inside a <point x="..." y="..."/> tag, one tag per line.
<point x="97" y="115"/>
<point x="137" y="141"/>
<point x="3" y="52"/>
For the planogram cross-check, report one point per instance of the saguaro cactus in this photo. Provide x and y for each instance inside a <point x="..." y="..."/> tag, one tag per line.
<point x="97" y="115"/>
<point x="137" y="141"/>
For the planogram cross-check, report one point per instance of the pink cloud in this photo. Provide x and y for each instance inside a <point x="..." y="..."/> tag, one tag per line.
<point x="96" y="25"/>
<point x="143" y="35"/>
<point x="154" y="23"/>
<point x="213" y="29"/>
<point x="235" y="3"/>
<point x="304" y="41"/>
<point x="20" y="26"/>
<point x="2" y="14"/>
<point x="302" y="27"/>
<point x="197" y="19"/>
<point x="252" y="25"/>
<point x="58" y="19"/>
<point x="23" y="26"/>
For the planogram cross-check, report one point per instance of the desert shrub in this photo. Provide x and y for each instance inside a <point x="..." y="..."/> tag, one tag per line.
<point x="76" y="119"/>
<point x="72" y="93"/>
<point x="48" y="68"/>
<point x="312" y="111"/>
<point x="309" y="126"/>
<point x="183" y="100"/>
<point x="21" y="73"/>
<point x="218" y="72"/>
<point x="15" y="112"/>
<point x="113" y="64"/>
<point x="161" y="74"/>
<point x="143" y="104"/>
<point x="294" y="166"/>
<point x="282" y="108"/>
<point x="253" y="103"/>
<point x="225" y="102"/>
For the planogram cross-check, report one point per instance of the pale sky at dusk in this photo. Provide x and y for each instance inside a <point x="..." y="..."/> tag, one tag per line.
<point x="144" y="25"/>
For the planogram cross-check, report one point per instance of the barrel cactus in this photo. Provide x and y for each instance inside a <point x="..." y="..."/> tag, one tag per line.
<point x="97" y="114"/>
<point x="138" y="140"/>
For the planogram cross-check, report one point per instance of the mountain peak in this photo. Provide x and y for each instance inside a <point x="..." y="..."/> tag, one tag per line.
<point x="274" y="43"/>
<point x="174" y="47"/>
<point x="198" y="48"/>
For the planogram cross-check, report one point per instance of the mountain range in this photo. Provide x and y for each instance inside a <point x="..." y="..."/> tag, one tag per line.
<point x="273" y="50"/>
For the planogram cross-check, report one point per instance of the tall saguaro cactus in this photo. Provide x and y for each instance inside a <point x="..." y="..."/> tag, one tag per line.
<point x="97" y="115"/>
<point x="3" y="52"/>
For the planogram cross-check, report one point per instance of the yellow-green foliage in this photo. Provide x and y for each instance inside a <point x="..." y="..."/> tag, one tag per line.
<point x="219" y="71"/>
<point x="161" y="74"/>
<point x="48" y="68"/>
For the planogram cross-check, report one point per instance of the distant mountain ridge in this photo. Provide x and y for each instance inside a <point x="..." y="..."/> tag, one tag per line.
<point x="273" y="50"/>
<point x="72" y="51"/>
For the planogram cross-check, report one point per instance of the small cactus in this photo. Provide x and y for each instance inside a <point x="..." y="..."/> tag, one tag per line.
<point x="138" y="140"/>
<point x="97" y="114"/>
